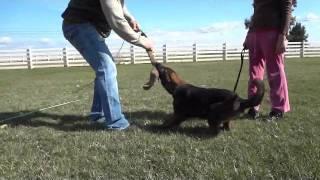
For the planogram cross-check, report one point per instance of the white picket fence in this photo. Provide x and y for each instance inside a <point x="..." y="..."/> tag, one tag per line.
<point x="63" y="57"/>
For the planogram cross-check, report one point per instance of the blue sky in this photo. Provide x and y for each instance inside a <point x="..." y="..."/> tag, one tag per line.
<point x="37" y="23"/>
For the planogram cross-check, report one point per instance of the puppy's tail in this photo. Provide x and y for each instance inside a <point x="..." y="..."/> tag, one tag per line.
<point x="256" y="99"/>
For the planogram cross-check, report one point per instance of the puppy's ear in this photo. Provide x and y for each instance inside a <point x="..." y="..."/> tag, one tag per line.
<point x="236" y="104"/>
<point x="168" y="75"/>
<point x="154" y="75"/>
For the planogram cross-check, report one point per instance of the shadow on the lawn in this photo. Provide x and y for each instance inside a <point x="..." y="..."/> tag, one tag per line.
<point x="67" y="122"/>
<point x="80" y="123"/>
<point x="55" y="121"/>
<point x="195" y="132"/>
<point x="138" y="120"/>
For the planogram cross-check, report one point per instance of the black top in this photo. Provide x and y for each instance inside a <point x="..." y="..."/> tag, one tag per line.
<point x="83" y="11"/>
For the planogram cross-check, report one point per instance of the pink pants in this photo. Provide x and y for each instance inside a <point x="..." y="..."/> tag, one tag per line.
<point x="262" y="54"/>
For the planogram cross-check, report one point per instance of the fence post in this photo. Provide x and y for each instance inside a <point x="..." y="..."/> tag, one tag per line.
<point x="29" y="59"/>
<point x="132" y="54"/>
<point x="302" y="50"/>
<point x="224" y="51"/>
<point x="65" y="57"/>
<point x="165" y="53"/>
<point x="195" y="52"/>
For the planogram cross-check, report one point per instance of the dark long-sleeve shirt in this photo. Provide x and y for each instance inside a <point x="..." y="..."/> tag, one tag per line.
<point x="106" y="15"/>
<point x="274" y="14"/>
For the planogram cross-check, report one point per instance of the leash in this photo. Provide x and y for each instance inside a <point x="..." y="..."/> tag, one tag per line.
<point x="61" y="104"/>
<point x="119" y="51"/>
<point x="38" y="110"/>
<point x="49" y="107"/>
<point x="241" y="65"/>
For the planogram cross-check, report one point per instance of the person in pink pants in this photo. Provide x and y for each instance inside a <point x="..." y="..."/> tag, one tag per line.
<point x="266" y="41"/>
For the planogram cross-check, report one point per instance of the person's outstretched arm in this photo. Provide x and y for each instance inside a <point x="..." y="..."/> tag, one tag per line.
<point x="118" y="21"/>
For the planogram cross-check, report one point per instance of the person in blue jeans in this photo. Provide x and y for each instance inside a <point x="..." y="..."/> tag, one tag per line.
<point x="86" y="24"/>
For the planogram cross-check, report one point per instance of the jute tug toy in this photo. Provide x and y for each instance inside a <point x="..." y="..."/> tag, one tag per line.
<point x="150" y="52"/>
<point x="154" y="74"/>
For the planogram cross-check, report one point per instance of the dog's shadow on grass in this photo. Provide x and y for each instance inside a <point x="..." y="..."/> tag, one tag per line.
<point x="67" y="123"/>
<point x="143" y="121"/>
<point x="194" y="132"/>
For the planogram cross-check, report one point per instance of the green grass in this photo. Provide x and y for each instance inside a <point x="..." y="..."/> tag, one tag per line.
<point x="60" y="143"/>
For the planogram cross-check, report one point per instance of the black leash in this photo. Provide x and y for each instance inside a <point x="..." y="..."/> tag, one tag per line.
<point x="242" y="59"/>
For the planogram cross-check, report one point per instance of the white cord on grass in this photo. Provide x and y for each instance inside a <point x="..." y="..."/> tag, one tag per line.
<point x="57" y="105"/>
<point x="39" y="110"/>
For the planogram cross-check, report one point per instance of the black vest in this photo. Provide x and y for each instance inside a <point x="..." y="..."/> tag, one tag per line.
<point x="81" y="11"/>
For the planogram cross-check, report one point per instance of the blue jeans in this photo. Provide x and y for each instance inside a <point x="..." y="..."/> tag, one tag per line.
<point x="91" y="45"/>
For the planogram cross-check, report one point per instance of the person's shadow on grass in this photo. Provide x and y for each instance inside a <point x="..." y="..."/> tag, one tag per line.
<point x="149" y="121"/>
<point x="43" y="119"/>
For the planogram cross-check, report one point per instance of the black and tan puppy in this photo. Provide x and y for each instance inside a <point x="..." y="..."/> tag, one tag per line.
<point x="218" y="106"/>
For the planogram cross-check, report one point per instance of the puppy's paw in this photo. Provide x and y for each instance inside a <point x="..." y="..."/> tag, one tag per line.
<point x="147" y="86"/>
<point x="226" y="126"/>
<point x="215" y="131"/>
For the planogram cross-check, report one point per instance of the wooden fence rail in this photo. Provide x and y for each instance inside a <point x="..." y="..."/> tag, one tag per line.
<point x="69" y="57"/>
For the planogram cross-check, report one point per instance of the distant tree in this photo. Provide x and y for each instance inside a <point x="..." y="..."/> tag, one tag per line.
<point x="247" y="23"/>
<point x="293" y="18"/>
<point x="294" y="3"/>
<point x="298" y="33"/>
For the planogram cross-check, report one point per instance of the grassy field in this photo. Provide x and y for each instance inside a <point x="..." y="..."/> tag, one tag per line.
<point x="60" y="143"/>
